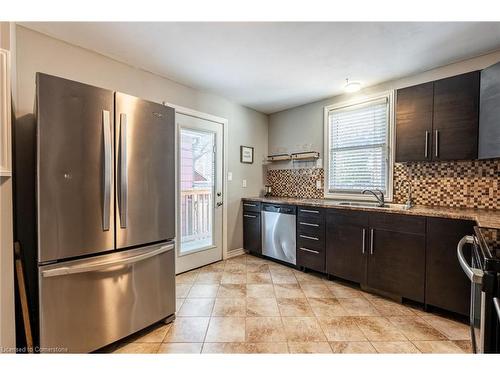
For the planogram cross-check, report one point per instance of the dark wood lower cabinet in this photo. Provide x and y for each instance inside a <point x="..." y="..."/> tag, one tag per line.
<point x="251" y="232"/>
<point x="346" y="244"/>
<point x="446" y="285"/>
<point x="396" y="263"/>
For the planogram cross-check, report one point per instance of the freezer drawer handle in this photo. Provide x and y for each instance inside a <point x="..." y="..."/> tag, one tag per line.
<point x="107" y="170"/>
<point x="122" y="197"/>
<point x="102" y="265"/>
<point x="475" y="275"/>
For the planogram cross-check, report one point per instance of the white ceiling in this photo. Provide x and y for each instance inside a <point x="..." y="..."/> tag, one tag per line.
<point x="274" y="66"/>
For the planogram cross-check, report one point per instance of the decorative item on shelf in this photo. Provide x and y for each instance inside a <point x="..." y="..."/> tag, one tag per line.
<point x="246" y="154"/>
<point x="280" y="157"/>
<point x="309" y="155"/>
<point x="269" y="191"/>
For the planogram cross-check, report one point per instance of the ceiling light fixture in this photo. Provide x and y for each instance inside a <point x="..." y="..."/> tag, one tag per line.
<point x="351" y="86"/>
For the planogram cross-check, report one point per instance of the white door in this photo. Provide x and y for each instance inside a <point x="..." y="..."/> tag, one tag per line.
<point x="199" y="192"/>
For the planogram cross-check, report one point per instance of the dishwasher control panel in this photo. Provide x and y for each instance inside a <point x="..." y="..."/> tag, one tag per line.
<point x="279" y="208"/>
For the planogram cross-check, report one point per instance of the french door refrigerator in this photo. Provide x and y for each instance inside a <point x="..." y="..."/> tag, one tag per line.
<point x="104" y="215"/>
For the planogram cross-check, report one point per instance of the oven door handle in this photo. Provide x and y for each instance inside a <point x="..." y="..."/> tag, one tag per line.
<point x="496" y="303"/>
<point x="475" y="275"/>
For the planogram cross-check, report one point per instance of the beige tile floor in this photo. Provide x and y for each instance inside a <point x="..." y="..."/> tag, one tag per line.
<point x="251" y="305"/>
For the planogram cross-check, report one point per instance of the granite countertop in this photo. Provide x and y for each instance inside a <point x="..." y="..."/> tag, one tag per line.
<point x="483" y="217"/>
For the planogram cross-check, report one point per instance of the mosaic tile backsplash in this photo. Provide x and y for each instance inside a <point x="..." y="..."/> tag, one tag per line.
<point x="465" y="184"/>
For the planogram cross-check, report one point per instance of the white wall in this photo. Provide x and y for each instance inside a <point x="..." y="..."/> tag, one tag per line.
<point x="40" y="53"/>
<point x="304" y="124"/>
<point x="7" y="326"/>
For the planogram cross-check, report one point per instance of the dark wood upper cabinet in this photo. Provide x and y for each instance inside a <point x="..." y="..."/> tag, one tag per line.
<point x="438" y="120"/>
<point x="396" y="260"/>
<point x="456" y="117"/>
<point x="489" y="113"/>
<point x="414" y="123"/>
<point x="446" y="285"/>
<point x="346" y="244"/>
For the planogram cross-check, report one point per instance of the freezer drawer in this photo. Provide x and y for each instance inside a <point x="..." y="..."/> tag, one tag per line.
<point x="87" y="304"/>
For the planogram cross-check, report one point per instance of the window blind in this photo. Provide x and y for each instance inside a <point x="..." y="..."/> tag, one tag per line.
<point x="358" y="147"/>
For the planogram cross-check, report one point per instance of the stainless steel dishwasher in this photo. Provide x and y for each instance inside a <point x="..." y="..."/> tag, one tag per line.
<point x="278" y="232"/>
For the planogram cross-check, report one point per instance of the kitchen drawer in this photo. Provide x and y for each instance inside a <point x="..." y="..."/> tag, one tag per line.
<point x="311" y="241"/>
<point x="308" y="212"/>
<point x="310" y="258"/>
<point x="310" y="228"/>
<point x="252" y="206"/>
<point x="398" y="223"/>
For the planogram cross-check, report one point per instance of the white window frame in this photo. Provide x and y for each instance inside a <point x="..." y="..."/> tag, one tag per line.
<point x="389" y="95"/>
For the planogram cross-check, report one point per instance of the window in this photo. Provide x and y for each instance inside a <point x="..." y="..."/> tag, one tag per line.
<point x="358" y="148"/>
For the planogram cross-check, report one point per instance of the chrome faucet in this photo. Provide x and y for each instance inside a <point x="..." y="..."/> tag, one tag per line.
<point x="409" y="200"/>
<point x="379" y="196"/>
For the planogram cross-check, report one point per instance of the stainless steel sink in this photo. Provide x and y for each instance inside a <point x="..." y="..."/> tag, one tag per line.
<point x="371" y="205"/>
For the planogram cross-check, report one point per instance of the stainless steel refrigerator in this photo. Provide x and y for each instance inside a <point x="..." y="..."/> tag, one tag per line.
<point x="103" y="216"/>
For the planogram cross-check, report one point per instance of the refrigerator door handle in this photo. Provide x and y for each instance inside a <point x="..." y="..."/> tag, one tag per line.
<point x="123" y="171"/>
<point x="96" y="266"/>
<point x="106" y="124"/>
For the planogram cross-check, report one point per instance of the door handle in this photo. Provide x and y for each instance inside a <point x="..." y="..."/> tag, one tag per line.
<point x="96" y="266"/>
<point x="427" y="144"/>
<point x="364" y="242"/>
<point x="107" y="174"/>
<point x="475" y="275"/>
<point x="371" y="241"/>
<point x="219" y="204"/>
<point x="123" y="196"/>
<point x="437" y="144"/>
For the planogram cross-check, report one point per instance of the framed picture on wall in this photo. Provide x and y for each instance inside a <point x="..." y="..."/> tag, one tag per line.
<point x="246" y="154"/>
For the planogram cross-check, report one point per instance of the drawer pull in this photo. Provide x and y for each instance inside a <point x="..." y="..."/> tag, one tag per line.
<point x="309" y="238"/>
<point x="310" y="211"/>
<point x="250" y="216"/>
<point x="309" y="224"/>
<point x="309" y="250"/>
<point x="249" y="205"/>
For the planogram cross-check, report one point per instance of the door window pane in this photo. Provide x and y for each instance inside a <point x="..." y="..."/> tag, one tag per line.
<point x="197" y="167"/>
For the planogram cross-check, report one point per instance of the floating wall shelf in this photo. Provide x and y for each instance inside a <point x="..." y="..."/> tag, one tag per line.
<point x="311" y="155"/>
<point x="280" y="157"/>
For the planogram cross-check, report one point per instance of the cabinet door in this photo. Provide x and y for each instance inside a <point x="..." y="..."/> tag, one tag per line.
<point x="446" y="285"/>
<point x="346" y="244"/>
<point x="489" y="113"/>
<point x="396" y="260"/>
<point x="456" y="117"/>
<point x="414" y="123"/>
<point x="251" y="232"/>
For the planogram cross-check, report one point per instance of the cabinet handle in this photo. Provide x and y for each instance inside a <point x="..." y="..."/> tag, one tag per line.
<point x="427" y="144"/>
<point x="309" y="238"/>
<point x="437" y="143"/>
<point x="310" y="211"/>
<point x="364" y="242"/>
<point x="371" y="241"/>
<point x="249" y="205"/>
<point x="250" y="216"/>
<point x="309" y="224"/>
<point x="309" y="250"/>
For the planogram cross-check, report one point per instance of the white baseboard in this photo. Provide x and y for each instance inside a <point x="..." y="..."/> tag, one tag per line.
<point x="235" y="252"/>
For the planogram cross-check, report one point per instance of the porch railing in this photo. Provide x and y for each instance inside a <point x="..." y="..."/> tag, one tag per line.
<point x="196" y="214"/>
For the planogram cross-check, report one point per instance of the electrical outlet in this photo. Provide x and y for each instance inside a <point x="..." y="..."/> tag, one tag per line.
<point x="318" y="184"/>
<point x="244" y="183"/>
